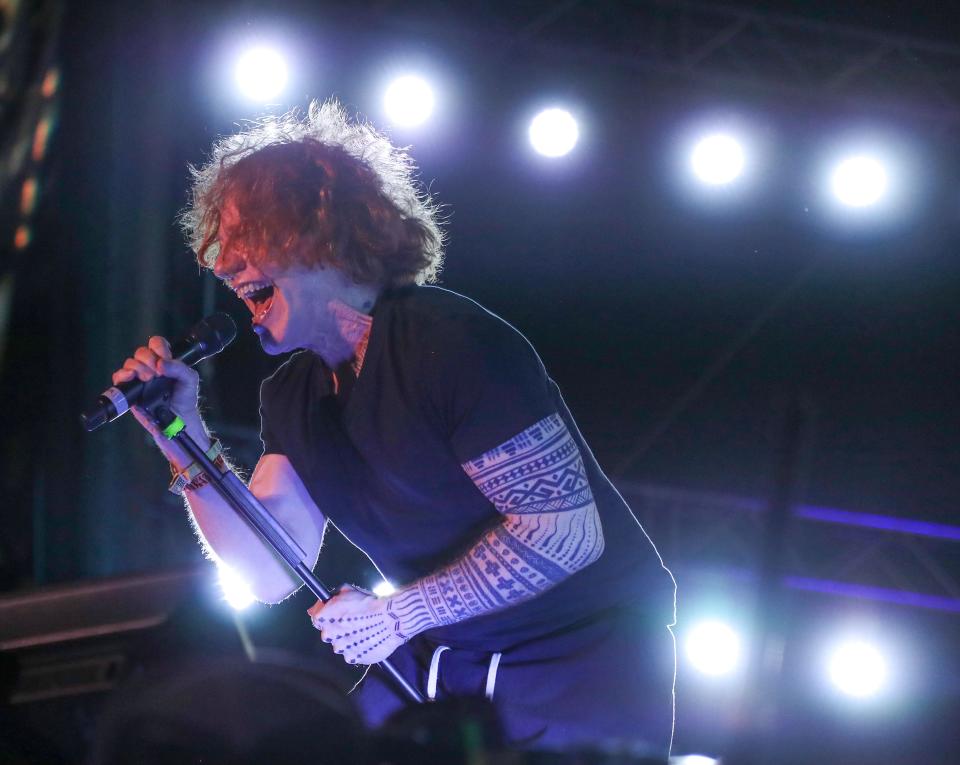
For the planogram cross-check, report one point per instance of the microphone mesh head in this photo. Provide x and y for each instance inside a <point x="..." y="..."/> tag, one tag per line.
<point x="206" y="338"/>
<point x="216" y="332"/>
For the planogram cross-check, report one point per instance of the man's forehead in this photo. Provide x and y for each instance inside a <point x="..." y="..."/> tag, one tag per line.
<point x="230" y="219"/>
<point x="229" y="213"/>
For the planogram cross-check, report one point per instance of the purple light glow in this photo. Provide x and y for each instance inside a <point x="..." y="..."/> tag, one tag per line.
<point x="864" y="592"/>
<point x="707" y="501"/>
<point x="882" y="522"/>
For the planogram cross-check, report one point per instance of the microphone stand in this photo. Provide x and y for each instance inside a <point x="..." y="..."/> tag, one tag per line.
<point x="155" y="398"/>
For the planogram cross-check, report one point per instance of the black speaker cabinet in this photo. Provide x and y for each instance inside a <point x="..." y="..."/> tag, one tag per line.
<point x="64" y="649"/>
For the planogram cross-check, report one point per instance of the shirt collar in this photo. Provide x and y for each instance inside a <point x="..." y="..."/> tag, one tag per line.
<point x="354" y="326"/>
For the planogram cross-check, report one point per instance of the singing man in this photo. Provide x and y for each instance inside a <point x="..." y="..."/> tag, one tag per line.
<point x="427" y="429"/>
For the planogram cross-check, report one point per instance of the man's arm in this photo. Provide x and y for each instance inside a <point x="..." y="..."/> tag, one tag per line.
<point x="278" y="486"/>
<point x="550" y="529"/>
<point x="225" y="535"/>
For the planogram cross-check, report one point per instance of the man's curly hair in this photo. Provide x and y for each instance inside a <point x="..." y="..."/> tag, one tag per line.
<point x="320" y="190"/>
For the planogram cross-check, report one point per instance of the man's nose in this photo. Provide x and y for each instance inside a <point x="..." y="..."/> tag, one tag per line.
<point x="229" y="262"/>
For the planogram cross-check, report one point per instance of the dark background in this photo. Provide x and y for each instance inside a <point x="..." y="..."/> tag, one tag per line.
<point x="629" y="284"/>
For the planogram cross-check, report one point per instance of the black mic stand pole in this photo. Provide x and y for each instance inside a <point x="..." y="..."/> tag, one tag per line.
<point x="155" y="398"/>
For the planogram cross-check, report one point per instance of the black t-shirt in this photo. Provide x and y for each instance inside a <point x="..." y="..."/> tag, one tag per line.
<point x="443" y="381"/>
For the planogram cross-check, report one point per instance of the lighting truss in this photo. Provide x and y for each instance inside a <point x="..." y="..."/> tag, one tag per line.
<point x="837" y="552"/>
<point x="726" y="45"/>
<point x="734" y="49"/>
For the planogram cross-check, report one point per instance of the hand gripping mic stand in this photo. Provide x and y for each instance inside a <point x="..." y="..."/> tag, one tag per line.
<point x="155" y="400"/>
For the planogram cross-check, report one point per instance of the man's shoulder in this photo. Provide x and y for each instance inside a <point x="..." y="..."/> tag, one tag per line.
<point x="431" y="303"/>
<point x="454" y="335"/>
<point x="440" y="315"/>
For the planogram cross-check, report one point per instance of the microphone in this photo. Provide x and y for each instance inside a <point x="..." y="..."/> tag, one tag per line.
<point x="206" y="338"/>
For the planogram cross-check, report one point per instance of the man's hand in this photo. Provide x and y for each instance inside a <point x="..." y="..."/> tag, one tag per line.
<point x="358" y="625"/>
<point x="153" y="360"/>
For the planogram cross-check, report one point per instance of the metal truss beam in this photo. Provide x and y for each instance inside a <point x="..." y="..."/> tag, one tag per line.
<point x="843" y="552"/>
<point x="727" y="47"/>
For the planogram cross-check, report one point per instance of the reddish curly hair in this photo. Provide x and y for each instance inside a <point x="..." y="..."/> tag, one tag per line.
<point x="320" y="191"/>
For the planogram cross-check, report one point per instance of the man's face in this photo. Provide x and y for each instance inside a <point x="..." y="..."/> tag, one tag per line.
<point x="289" y="304"/>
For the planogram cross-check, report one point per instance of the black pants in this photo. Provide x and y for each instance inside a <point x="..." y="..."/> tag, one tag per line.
<point x="607" y="680"/>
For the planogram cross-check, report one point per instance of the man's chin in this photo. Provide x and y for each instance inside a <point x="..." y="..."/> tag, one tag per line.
<point x="268" y="342"/>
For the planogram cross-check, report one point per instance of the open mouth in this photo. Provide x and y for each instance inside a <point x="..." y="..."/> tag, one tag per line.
<point x="259" y="301"/>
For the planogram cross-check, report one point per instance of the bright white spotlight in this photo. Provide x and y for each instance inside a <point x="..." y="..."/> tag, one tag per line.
<point x="383" y="589"/>
<point x="858" y="669"/>
<point x="859" y="181"/>
<point x="235" y="591"/>
<point x="693" y="759"/>
<point x="261" y="74"/>
<point x="717" y="159"/>
<point x="713" y="648"/>
<point x="409" y="101"/>
<point x="554" y="132"/>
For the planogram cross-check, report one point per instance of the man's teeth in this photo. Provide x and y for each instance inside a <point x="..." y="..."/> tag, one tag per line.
<point x="244" y="291"/>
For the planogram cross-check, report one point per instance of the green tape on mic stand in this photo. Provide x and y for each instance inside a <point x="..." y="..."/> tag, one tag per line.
<point x="174" y="427"/>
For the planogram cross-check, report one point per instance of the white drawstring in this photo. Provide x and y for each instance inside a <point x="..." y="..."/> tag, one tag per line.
<point x="434" y="671"/>
<point x="492" y="675"/>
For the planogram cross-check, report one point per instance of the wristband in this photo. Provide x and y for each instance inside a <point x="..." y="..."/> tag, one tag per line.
<point x="183" y="479"/>
<point x="203" y="479"/>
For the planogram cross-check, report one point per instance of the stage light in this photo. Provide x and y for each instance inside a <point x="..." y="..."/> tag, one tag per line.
<point x="717" y="159"/>
<point x="235" y="591"/>
<point x="383" y="589"/>
<point x="693" y="759"/>
<point x="857" y="669"/>
<point x="22" y="237"/>
<point x="261" y="74"/>
<point x="554" y="132"/>
<point x="409" y="101"/>
<point x="859" y="181"/>
<point x="713" y="648"/>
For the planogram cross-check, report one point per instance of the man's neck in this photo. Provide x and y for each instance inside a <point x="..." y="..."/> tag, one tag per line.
<point x="353" y="327"/>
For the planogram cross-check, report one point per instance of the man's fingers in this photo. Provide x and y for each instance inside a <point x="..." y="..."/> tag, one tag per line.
<point x="163" y="364"/>
<point x="177" y="370"/>
<point x="314" y="611"/>
<point x="141" y="370"/>
<point x="322" y="614"/>
<point x="146" y="362"/>
<point x="145" y="356"/>
<point x="123" y="375"/>
<point x="160" y="346"/>
<point x="352" y="593"/>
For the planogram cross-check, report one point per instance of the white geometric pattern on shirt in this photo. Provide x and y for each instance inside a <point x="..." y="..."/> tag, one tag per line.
<point x="550" y="529"/>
